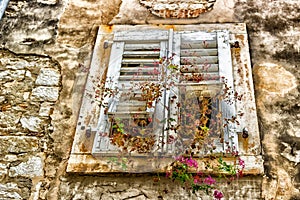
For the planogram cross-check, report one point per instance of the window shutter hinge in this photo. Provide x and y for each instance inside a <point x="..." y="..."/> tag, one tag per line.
<point x="106" y="44"/>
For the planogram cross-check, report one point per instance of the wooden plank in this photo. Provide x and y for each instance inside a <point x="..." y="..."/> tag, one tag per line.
<point x="138" y="77"/>
<point x="200" y="68"/>
<point x="199" y="44"/>
<point x="169" y="110"/>
<point x="141" y="53"/>
<point x="204" y="76"/>
<point x="104" y="143"/>
<point x="122" y="108"/>
<point x="126" y="85"/>
<point x="141" y="35"/>
<point x="130" y="115"/>
<point x="198" y="35"/>
<point x="139" y="60"/>
<point x="199" y="60"/>
<point x="142" y="46"/>
<point x="208" y="82"/>
<point x="198" y="52"/>
<point x="111" y="82"/>
<point x="133" y="103"/>
<point x="149" y="70"/>
<point x="228" y="109"/>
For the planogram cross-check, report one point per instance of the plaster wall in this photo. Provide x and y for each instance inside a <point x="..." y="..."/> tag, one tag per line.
<point x="45" y="53"/>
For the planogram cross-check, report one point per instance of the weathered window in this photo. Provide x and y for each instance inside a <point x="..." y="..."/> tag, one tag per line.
<point x="162" y="86"/>
<point x="165" y="91"/>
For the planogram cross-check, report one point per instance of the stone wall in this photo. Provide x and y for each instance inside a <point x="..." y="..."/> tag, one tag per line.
<point x="45" y="54"/>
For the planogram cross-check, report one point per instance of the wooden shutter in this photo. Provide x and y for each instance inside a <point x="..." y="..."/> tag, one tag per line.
<point x="134" y="61"/>
<point x="203" y="57"/>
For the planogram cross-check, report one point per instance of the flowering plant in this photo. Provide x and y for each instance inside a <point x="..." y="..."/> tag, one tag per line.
<point x="169" y="106"/>
<point x="185" y="170"/>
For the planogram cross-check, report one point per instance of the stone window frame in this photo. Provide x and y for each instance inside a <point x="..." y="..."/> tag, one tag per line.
<point x="82" y="159"/>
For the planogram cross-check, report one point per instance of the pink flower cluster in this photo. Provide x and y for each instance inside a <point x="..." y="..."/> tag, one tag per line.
<point x="241" y="163"/>
<point x="208" y="180"/>
<point x="218" y="195"/>
<point x="188" y="161"/>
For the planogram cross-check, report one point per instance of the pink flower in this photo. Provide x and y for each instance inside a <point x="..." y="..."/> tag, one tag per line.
<point x="197" y="179"/>
<point x="192" y="163"/>
<point x="188" y="161"/>
<point x="218" y="195"/>
<point x="169" y="174"/>
<point x="181" y="159"/>
<point x="242" y="163"/>
<point x="209" y="180"/>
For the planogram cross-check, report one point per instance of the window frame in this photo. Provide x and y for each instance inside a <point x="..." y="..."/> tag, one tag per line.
<point x="82" y="160"/>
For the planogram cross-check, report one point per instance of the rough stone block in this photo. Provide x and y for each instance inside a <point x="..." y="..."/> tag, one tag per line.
<point x="31" y="168"/>
<point x="48" y="2"/>
<point x="46" y="109"/>
<point x="15" y="65"/>
<point x="3" y="171"/>
<point x="31" y="123"/>
<point x="291" y="153"/>
<point x="12" y="75"/>
<point x="43" y="93"/>
<point x="18" y="144"/>
<point x="48" y="77"/>
<point x="2" y="99"/>
<point x="9" y="191"/>
<point x="178" y="8"/>
<point x="9" y="120"/>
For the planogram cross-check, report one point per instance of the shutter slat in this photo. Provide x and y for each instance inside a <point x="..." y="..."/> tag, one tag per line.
<point x="137" y="78"/>
<point x="199" y="52"/>
<point x="104" y="143"/>
<point x="205" y="76"/>
<point x="145" y="69"/>
<point x="200" y="60"/>
<point x="131" y="108"/>
<point x="139" y="61"/>
<point x="200" y="44"/>
<point x="130" y="114"/>
<point x="200" y="68"/>
<point x="198" y="35"/>
<point x="133" y="103"/>
<point x="143" y="46"/>
<point x="131" y="84"/>
<point x="141" y="53"/>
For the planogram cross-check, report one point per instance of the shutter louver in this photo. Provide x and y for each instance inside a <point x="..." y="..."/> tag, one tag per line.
<point x="199" y="58"/>
<point x="135" y="68"/>
<point x="203" y="58"/>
